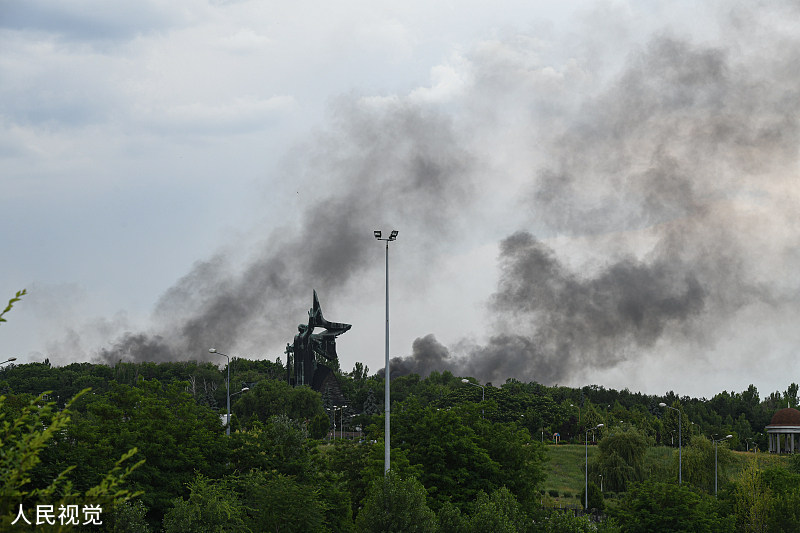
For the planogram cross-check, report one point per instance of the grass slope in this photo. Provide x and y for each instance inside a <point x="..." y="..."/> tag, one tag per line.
<point x="565" y="470"/>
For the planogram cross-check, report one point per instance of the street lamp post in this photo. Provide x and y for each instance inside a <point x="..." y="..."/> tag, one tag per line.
<point x="680" y="442"/>
<point x="483" y="391"/>
<point x="715" y="462"/>
<point x="586" y="447"/>
<point x="244" y="389"/>
<point x="341" y="421"/>
<point x="579" y="414"/>
<point x="387" y="407"/>
<point x="8" y="360"/>
<point x="228" y="386"/>
<point x="340" y="408"/>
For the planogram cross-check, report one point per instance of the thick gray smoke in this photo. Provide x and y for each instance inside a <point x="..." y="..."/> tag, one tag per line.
<point x="673" y="177"/>
<point x="644" y="215"/>
<point x="386" y="165"/>
<point x="427" y="354"/>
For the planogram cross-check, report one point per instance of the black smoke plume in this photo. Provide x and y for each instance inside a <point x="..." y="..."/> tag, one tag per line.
<point x="401" y="163"/>
<point x="673" y="176"/>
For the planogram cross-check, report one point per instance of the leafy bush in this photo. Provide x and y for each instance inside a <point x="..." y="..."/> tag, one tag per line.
<point x="595" y="498"/>
<point x="553" y="493"/>
<point x="395" y="505"/>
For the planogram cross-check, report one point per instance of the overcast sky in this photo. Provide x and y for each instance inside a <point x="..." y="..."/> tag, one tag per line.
<point x="586" y="192"/>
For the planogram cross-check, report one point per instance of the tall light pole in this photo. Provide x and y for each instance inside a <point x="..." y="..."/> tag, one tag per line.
<point x="586" y="487"/>
<point x="387" y="408"/>
<point x="680" y="441"/>
<point x="483" y="392"/>
<point x="715" y="462"/>
<point x="579" y="414"/>
<point x="228" y="421"/>
<point x="335" y="407"/>
<point x="341" y="420"/>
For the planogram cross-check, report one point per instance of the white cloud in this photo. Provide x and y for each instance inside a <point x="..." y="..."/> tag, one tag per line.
<point x="448" y="81"/>
<point x="238" y="115"/>
<point x="244" y="41"/>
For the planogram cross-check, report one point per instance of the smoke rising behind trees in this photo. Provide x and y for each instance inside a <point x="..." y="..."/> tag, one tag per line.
<point x="642" y="205"/>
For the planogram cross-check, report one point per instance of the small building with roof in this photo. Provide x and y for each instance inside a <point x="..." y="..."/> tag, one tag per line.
<point x="781" y="431"/>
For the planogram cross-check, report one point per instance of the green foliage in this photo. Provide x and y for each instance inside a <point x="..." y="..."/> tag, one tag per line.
<point x="170" y="431"/>
<point x="450" y="519"/>
<point x="752" y="499"/>
<point x="698" y="463"/>
<point x="596" y="500"/>
<point x="275" y="502"/>
<point x="128" y="518"/>
<point x="567" y="522"/>
<point x="620" y="459"/>
<point x="784" y="511"/>
<point x="11" y="303"/>
<point x="671" y="428"/>
<point x="281" y="445"/>
<point x="655" y="507"/>
<point x="498" y="513"/>
<point x="461" y="454"/>
<point x="270" y="398"/>
<point x="394" y="505"/>
<point x="371" y="403"/>
<point x="22" y="441"/>
<point x="212" y="507"/>
<point x="319" y="426"/>
<point x="794" y="464"/>
<point x="349" y="461"/>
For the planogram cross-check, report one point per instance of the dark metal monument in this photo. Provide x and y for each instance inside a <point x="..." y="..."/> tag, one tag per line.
<point x="305" y="358"/>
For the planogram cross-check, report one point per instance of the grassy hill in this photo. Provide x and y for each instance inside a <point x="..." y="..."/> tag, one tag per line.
<point x="565" y="470"/>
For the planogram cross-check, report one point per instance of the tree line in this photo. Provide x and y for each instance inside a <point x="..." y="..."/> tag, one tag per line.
<point x="145" y="442"/>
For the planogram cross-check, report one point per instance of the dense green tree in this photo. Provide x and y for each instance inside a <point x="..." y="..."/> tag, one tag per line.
<point x="620" y="459"/>
<point x="655" y="507"/>
<point x="498" y="513"/>
<point x="596" y="500"/>
<point x="174" y="436"/>
<point x="212" y="507"/>
<point x="22" y="441"/>
<point x="349" y="461"/>
<point x="752" y="500"/>
<point x="699" y="463"/>
<point x="519" y="459"/>
<point x="450" y="519"/>
<point x="281" y="445"/>
<point x="395" y="505"/>
<point x="279" y="503"/>
<point x="371" y="403"/>
<point x="128" y="518"/>
<point x="269" y="398"/>
<point x="567" y="522"/>
<point x="460" y="453"/>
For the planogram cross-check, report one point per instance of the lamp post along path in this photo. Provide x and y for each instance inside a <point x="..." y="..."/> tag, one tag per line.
<point x="715" y="462"/>
<point x="387" y="406"/>
<point x="680" y="442"/>
<point x="586" y="481"/>
<point x="483" y="392"/>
